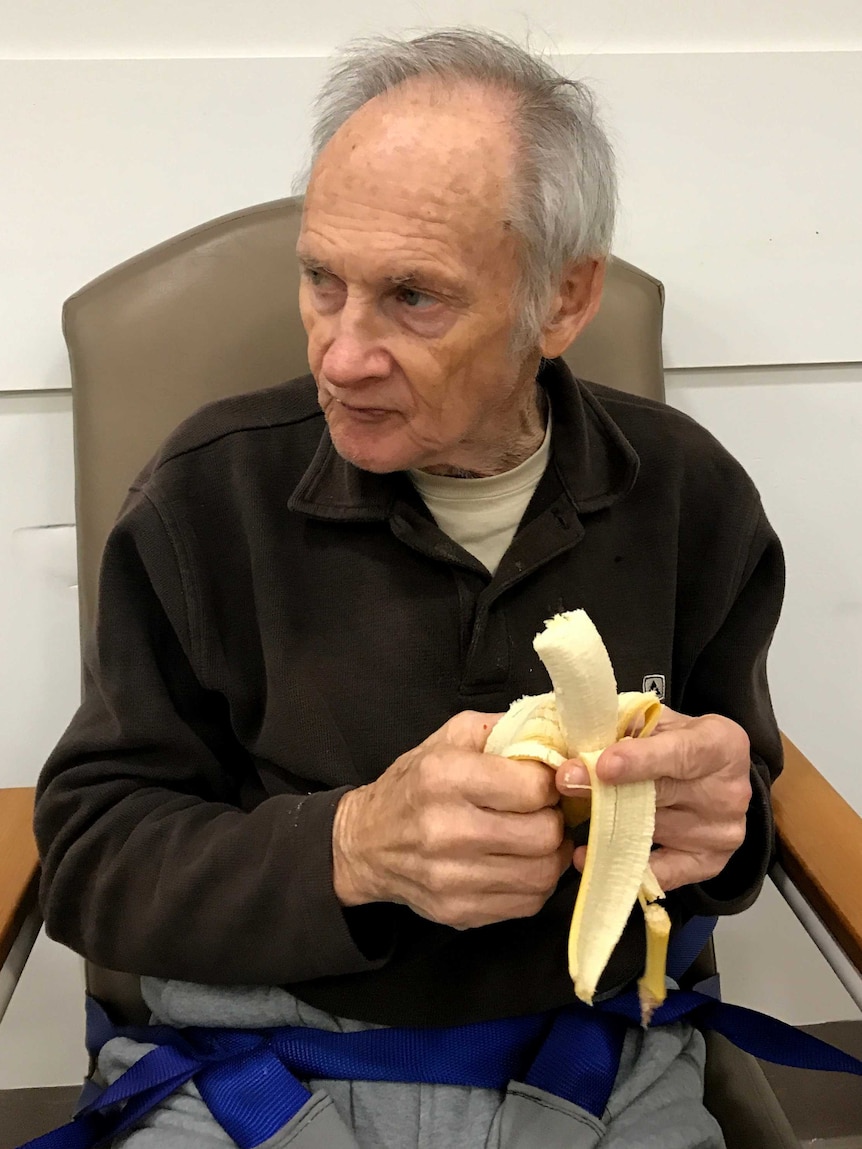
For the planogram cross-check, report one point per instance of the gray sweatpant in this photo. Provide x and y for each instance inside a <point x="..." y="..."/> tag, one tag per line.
<point x="656" y="1103"/>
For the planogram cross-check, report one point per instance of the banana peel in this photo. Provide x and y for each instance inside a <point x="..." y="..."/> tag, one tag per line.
<point x="580" y="718"/>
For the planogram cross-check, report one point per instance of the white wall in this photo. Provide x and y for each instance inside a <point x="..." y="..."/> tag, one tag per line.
<point x="798" y="432"/>
<point x="722" y="160"/>
<point x="736" y="126"/>
<point x="38" y="599"/>
<point x="128" y="29"/>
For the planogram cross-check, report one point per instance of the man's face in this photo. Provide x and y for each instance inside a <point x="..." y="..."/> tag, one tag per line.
<point x="408" y="281"/>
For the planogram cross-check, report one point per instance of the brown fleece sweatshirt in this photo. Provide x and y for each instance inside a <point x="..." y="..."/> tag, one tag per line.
<point x="275" y="626"/>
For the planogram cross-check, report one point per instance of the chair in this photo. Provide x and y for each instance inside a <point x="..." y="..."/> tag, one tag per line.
<point x="213" y="312"/>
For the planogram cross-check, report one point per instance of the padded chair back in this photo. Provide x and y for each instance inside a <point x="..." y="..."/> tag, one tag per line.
<point x="214" y="312"/>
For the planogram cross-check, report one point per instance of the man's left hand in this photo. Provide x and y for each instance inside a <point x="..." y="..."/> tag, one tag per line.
<point x="701" y="768"/>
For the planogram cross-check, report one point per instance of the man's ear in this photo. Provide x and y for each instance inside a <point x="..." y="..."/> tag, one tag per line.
<point x="574" y="305"/>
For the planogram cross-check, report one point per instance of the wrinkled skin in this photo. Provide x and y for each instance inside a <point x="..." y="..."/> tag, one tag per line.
<point x="407" y="292"/>
<point x="410" y="268"/>
<point x="463" y="838"/>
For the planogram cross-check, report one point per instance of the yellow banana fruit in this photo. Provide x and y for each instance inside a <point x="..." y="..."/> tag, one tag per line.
<point x="580" y="719"/>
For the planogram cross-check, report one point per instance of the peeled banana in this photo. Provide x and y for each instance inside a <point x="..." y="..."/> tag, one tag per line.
<point x="582" y="717"/>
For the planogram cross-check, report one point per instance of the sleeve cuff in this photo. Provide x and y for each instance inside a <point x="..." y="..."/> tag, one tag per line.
<point x="338" y="940"/>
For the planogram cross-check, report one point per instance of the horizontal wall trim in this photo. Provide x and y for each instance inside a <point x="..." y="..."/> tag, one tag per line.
<point x="38" y="403"/>
<point x="783" y="373"/>
<point x="674" y="376"/>
<point x="26" y="392"/>
<point x="318" y="52"/>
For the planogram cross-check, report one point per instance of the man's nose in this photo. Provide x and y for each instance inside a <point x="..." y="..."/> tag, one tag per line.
<point x="354" y="351"/>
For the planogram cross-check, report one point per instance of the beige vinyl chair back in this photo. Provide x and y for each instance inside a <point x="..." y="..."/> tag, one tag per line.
<point x="214" y="312"/>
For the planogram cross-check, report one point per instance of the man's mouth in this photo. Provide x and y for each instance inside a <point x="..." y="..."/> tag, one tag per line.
<point x="357" y="411"/>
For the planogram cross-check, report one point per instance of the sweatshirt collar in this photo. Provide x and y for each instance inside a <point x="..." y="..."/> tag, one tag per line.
<point x="596" y="463"/>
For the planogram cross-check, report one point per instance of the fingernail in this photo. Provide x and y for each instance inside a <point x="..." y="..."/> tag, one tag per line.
<point x="611" y="765"/>
<point x="576" y="777"/>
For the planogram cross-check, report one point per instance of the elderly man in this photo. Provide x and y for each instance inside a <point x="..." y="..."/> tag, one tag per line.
<point x="272" y="804"/>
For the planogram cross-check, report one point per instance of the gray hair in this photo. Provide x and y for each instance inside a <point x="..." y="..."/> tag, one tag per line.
<point x="564" y="197"/>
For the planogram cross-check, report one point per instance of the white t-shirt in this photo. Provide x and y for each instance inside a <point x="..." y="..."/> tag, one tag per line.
<point x="483" y="514"/>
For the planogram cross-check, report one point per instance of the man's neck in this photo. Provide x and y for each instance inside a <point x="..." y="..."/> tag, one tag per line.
<point x="527" y="439"/>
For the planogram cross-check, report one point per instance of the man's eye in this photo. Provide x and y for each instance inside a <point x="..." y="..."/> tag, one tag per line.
<point x="316" y="277"/>
<point x="415" y="300"/>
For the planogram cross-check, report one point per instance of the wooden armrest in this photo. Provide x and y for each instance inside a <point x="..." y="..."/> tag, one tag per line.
<point x="19" y="864"/>
<point x="820" y="848"/>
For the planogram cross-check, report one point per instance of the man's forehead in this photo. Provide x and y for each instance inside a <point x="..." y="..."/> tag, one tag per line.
<point x="376" y="249"/>
<point x="461" y="120"/>
<point x="421" y="152"/>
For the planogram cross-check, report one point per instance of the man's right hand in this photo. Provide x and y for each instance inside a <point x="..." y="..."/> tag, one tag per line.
<point x="463" y="838"/>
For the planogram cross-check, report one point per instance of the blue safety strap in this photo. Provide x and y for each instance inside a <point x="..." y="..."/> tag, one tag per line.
<point x="687" y="943"/>
<point x="580" y="1057"/>
<point x="251" y="1079"/>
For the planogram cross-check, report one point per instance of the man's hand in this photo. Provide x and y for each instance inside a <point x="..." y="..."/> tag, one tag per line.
<point x="463" y="838"/>
<point x="701" y="770"/>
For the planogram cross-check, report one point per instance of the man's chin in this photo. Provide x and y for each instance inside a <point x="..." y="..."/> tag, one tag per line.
<point x="380" y="455"/>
